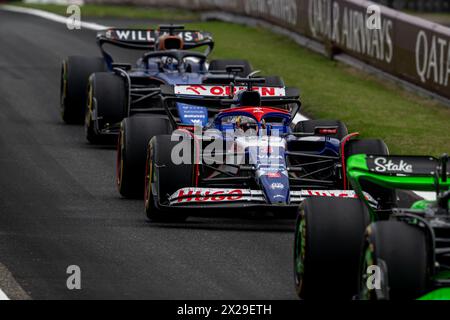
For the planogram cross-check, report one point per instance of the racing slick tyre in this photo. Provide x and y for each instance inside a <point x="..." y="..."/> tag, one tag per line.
<point x="75" y="74"/>
<point x="386" y="197"/>
<point x="221" y="65"/>
<point x="163" y="178"/>
<point x="106" y="104"/>
<point x="328" y="241"/>
<point x="309" y="126"/>
<point x="400" y="252"/>
<point x="135" y="133"/>
<point x="366" y="146"/>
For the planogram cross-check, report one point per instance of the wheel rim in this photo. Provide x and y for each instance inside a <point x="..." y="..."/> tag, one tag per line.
<point x="119" y="162"/>
<point x="148" y="178"/>
<point x="368" y="259"/>
<point x="90" y="102"/>
<point x="299" y="253"/>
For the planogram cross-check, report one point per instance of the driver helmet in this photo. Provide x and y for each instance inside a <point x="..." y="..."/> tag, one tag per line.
<point x="246" y="123"/>
<point x="169" y="64"/>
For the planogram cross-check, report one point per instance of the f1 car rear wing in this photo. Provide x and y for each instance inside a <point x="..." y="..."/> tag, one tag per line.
<point x="420" y="173"/>
<point x="142" y="39"/>
<point x="225" y="93"/>
<point x="217" y="97"/>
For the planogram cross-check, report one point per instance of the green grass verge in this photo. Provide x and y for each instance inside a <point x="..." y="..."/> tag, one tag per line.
<point x="118" y="11"/>
<point x="408" y="123"/>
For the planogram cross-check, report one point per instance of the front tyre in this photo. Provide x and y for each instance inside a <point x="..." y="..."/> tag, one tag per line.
<point x="328" y="241"/>
<point x="163" y="178"/>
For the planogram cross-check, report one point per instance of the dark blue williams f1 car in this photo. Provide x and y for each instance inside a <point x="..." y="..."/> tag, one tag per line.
<point x="236" y="147"/>
<point x="103" y="92"/>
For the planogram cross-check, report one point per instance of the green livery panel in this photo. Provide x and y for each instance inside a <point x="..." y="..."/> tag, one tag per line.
<point x="407" y="173"/>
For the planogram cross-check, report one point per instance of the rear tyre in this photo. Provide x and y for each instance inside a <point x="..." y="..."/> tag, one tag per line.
<point x="366" y="146"/>
<point x="106" y="104"/>
<point x="163" y="178"/>
<point x="135" y="133"/>
<point x="221" y="65"/>
<point x="385" y="197"/>
<point x="328" y="242"/>
<point x="400" y="250"/>
<point x="310" y="125"/>
<point x="75" y="74"/>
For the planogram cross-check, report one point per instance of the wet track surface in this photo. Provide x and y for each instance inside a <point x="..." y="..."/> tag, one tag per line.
<point x="59" y="205"/>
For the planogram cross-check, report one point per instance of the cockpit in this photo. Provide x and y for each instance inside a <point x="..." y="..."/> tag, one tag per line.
<point x="254" y="120"/>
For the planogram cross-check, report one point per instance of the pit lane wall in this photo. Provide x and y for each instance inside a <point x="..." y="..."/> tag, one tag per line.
<point x="405" y="46"/>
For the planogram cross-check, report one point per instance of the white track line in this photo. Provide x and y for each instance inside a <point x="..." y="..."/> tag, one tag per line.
<point x="3" y="296"/>
<point x="52" y="17"/>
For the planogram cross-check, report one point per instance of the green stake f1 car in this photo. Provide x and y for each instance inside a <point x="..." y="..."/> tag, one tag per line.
<point x="350" y="248"/>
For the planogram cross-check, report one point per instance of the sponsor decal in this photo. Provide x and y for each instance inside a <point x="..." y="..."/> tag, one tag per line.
<point x="273" y="175"/>
<point x="189" y="195"/>
<point x="384" y="165"/>
<point x="277" y="186"/>
<point x="190" y="114"/>
<point x="258" y="110"/>
<point x="215" y="195"/>
<point x="225" y="91"/>
<point x="401" y="165"/>
<point x="329" y="193"/>
<point x="269" y="157"/>
<point x="150" y="35"/>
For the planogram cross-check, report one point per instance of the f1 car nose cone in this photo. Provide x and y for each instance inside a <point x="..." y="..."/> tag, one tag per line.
<point x="275" y="186"/>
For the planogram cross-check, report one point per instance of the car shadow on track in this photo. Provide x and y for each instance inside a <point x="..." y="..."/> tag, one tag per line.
<point x="252" y="223"/>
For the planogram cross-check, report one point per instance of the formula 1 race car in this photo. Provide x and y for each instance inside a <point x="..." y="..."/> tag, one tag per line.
<point x="272" y="166"/>
<point x="103" y="92"/>
<point x="377" y="251"/>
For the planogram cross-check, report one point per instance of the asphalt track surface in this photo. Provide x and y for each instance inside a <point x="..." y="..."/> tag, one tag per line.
<point x="59" y="205"/>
